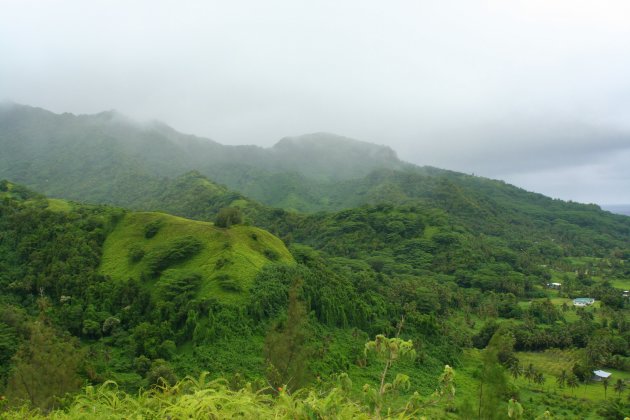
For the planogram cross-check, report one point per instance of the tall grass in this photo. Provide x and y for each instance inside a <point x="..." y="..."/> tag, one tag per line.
<point x="198" y="398"/>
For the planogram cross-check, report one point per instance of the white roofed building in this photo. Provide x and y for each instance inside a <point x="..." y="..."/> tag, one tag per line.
<point x="598" y="375"/>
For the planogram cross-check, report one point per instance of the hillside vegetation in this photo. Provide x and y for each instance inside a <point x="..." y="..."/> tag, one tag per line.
<point x="310" y="291"/>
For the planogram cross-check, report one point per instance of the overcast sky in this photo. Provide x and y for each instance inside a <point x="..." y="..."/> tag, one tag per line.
<point x="534" y="92"/>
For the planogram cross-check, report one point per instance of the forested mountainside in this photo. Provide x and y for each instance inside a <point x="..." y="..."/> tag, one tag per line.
<point x="107" y="158"/>
<point x="307" y="283"/>
<point x="527" y="223"/>
<point x="148" y="295"/>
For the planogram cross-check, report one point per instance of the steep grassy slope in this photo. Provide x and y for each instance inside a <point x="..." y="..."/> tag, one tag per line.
<point x="226" y="259"/>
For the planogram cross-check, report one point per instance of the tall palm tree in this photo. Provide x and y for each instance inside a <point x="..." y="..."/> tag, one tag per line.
<point x="561" y="380"/>
<point x="572" y="382"/>
<point x="530" y="373"/>
<point x="516" y="370"/>
<point x="605" y="383"/>
<point x="539" y="379"/>
<point x="619" y="386"/>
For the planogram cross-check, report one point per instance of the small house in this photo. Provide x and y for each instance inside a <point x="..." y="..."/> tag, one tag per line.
<point x="583" y="301"/>
<point x="598" y="375"/>
<point x="554" y="285"/>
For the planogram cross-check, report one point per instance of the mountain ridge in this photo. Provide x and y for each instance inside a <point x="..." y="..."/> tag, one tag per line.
<point x="108" y="158"/>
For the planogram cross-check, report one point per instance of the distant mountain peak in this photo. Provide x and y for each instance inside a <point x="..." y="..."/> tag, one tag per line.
<point x="331" y="156"/>
<point x="324" y="140"/>
<point x="109" y="114"/>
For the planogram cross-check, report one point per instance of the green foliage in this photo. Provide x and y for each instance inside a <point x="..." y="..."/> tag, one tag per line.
<point x="152" y="228"/>
<point x="285" y="350"/>
<point x="161" y="373"/>
<point x="199" y="397"/>
<point x="544" y="311"/>
<point x="8" y="347"/>
<point x="515" y="409"/>
<point x="465" y="260"/>
<point x="493" y="385"/>
<point x="271" y="254"/>
<point x="44" y="368"/>
<point x="176" y="291"/>
<point x="614" y="409"/>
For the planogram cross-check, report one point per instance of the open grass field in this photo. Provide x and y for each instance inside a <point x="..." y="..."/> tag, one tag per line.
<point x="55" y="204"/>
<point x="550" y="362"/>
<point x="563" y="403"/>
<point x="582" y="261"/>
<point x="570" y="315"/>
<point x="237" y="253"/>
<point x="623" y="284"/>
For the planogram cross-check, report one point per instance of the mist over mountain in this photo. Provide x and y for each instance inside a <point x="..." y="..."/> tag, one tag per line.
<point x="109" y="158"/>
<point x="98" y="157"/>
<point x="329" y="156"/>
<point x="35" y="129"/>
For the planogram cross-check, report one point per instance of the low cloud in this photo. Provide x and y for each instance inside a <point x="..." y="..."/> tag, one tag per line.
<point x="501" y="89"/>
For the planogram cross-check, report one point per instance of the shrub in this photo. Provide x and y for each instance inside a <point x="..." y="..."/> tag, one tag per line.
<point x="271" y="254"/>
<point x="222" y="262"/>
<point x="135" y="254"/>
<point x="110" y="324"/>
<point x="228" y="216"/>
<point x="174" y="252"/>
<point x="167" y="349"/>
<point x="152" y="229"/>
<point x="142" y="364"/>
<point x="228" y="283"/>
<point x="161" y="373"/>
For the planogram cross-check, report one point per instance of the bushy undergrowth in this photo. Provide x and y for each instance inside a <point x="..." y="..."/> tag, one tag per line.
<point x="174" y="252"/>
<point x="198" y="398"/>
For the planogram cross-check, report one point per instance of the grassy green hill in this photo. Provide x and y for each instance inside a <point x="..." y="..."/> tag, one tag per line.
<point x="227" y="260"/>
